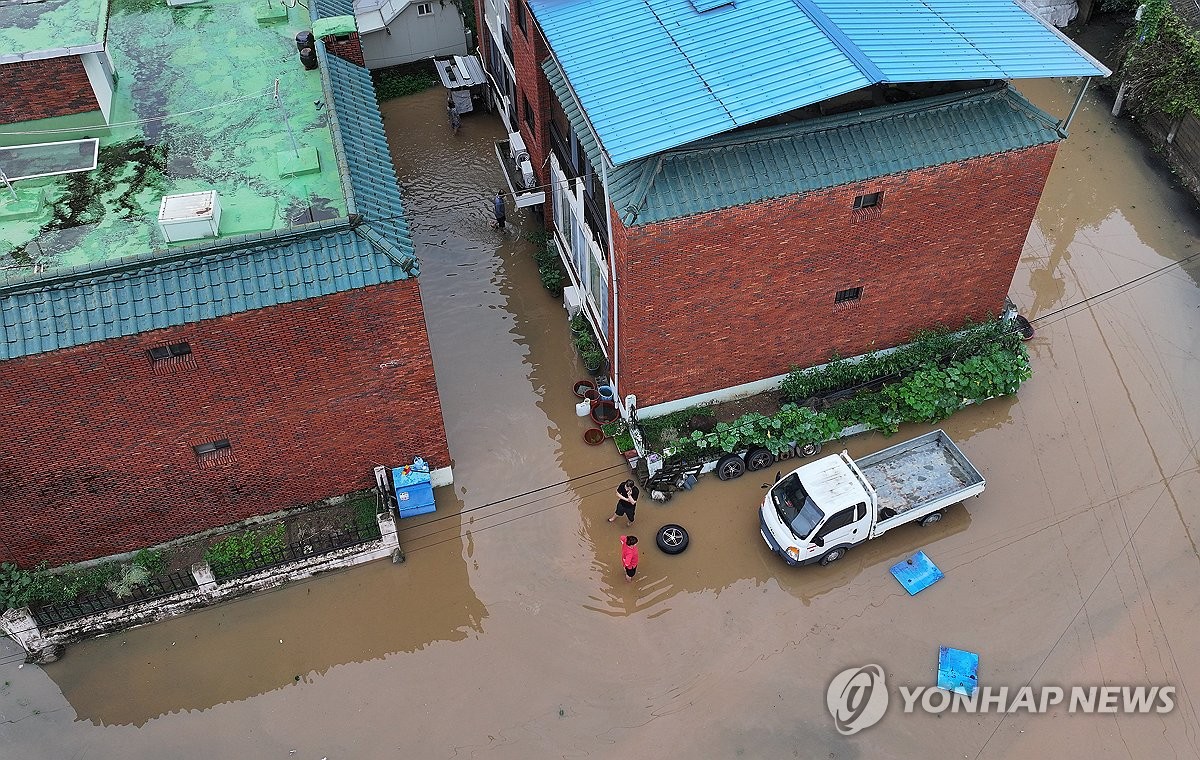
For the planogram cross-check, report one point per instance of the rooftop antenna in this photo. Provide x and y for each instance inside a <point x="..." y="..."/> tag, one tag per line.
<point x="288" y="126"/>
<point x="4" y="178"/>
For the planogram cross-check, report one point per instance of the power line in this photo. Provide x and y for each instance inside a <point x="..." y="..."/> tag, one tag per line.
<point x="530" y="492"/>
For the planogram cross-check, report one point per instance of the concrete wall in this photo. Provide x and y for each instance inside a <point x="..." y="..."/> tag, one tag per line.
<point x="733" y="296"/>
<point x="97" y="456"/>
<point x="44" y="89"/>
<point x="414" y="38"/>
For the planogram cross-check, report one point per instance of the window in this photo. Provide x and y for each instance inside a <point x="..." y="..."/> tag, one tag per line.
<point x="163" y="353"/>
<point x="521" y="21"/>
<point x="870" y="200"/>
<point x="424" y="9"/>
<point x="860" y="511"/>
<point x="215" y="451"/>
<point x="839" y="520"/>
<point x="848" y="295"/>
<point x="528" y="112"/>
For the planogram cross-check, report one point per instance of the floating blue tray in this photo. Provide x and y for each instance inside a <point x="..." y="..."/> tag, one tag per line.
<point x="958" y="670"/>
<point x="917" y="573"/>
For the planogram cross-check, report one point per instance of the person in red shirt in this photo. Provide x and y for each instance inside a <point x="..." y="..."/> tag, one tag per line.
<point x="629" y="556"/>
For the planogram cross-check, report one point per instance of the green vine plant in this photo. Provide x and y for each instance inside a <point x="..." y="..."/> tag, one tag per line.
<point x="1161" y="65"/>
<point x="994" y="363"/>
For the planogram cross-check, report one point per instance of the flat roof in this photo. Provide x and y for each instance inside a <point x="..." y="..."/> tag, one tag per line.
<point x="699" y="73"/>
<point x="30" y="30"/>
<point x="194" y="109"/>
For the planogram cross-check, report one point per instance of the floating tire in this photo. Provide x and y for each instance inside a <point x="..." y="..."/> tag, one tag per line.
<point x="672" y="538"/>
<point x="730" y="466"/>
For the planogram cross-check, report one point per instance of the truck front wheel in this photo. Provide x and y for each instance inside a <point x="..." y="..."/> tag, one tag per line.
<point x="833" y="555"/>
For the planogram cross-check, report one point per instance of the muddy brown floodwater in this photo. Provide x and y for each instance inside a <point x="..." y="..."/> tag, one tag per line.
<point x="509" y="632"/>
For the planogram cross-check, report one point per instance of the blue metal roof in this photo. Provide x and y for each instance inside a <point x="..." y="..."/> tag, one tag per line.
<point x="190" y="283"/>
<point x="656" y="74"/>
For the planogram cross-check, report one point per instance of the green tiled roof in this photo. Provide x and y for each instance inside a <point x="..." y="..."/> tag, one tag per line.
<point x="748" y="166"/>
<point x="121" y="297"/>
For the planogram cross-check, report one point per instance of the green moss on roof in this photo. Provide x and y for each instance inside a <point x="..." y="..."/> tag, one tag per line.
<point x="211" y="70"/>
<point x="50" y="25"/>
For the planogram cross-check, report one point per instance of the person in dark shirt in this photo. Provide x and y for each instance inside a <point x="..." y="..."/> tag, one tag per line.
<point x="498" y="208"/>
<point x="627" y="496"/>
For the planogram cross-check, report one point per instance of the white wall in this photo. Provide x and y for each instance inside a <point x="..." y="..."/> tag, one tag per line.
<point x="414" y="37"/>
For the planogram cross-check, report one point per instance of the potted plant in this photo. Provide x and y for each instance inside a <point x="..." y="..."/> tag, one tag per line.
<point x="593" y="359"/>
<point x="579" y="325"/>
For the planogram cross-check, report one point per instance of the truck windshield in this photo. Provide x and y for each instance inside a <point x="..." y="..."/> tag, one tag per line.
<point x="794" y="506"/>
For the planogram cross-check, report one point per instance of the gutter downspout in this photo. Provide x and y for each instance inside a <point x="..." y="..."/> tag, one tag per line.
<point x="612" y="267"/>
<point x="1065" y="125"/>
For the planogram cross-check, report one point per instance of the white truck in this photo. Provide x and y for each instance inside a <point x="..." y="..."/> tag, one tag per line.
<point x="821" y="509"/>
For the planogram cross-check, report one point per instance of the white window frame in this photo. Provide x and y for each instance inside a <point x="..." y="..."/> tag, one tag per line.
<point x="424" y="9"/>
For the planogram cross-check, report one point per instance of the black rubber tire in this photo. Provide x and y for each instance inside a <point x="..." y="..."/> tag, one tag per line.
<point x="833" y="555"/>
<point x="672" y="539"/>
<point x="730" y="466"/>
<point x="808" y="449"/>
<point x="759" y="459"/>
<point x="930" y="519"/>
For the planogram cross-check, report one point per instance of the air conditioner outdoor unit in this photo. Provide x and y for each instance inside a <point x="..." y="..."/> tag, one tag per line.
<point x="520" y="156"/>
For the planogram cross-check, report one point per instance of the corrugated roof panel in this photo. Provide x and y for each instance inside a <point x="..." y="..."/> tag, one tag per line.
<point x="775" y="162"/>
<point x="653" y="75"/>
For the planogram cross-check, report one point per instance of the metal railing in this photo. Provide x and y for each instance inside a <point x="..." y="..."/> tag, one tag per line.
<point x="322" y="543"/>
<point x="104" y="601"/>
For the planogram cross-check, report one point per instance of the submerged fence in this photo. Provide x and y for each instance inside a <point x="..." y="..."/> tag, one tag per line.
<point x="103" y="601"/>
<point x="322" y="543"/>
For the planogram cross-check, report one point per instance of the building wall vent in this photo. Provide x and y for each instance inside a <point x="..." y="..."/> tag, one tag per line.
<point x="190" y="216"/>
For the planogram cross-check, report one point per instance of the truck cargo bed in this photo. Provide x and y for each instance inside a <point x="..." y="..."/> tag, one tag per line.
<point x="913" y="474"/>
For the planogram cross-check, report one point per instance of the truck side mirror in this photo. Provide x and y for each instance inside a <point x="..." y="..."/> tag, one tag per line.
<point x="778" y="476"/>
<point x="818" y="541"/>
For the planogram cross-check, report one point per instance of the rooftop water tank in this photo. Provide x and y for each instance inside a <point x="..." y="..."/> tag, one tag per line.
<point x="190" y="216"/>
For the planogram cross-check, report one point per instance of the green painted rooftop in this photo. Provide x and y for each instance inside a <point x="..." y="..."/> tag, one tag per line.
<point x="194" y="109"/>
<point x="157" y="286"/>
<point x="752" y="165"/>
<point x="36" y="29"/>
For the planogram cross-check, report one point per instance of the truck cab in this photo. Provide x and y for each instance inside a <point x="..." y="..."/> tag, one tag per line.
<point x="818" y="511"/>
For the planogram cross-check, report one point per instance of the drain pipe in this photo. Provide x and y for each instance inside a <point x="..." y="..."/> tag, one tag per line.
<point x="1065" y="125"/>
<point x="612" y="268"/>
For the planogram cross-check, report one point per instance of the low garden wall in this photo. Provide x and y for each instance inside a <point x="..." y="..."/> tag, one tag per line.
<point x="43" y="630"/>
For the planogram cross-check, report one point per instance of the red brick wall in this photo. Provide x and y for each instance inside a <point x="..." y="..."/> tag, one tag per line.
<point x="529" y="50"/>
<point x="738" y="295"/>
<point x="42" y="89"/>
<point x="348" y="49"/>
<point x="96" y="456"/>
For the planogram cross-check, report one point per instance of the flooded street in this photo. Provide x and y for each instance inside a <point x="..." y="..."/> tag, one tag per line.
<point x="510" y="633"/>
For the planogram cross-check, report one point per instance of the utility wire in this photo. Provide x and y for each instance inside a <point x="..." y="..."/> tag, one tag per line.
<point x="530" y="492"/>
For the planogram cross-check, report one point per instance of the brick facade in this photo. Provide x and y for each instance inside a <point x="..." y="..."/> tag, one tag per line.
<point x="97" y="447"/>
<point x="733" y="296"/>
<point x="347" y="47"/>
<point x="529" y="50"/>
<point x="44" y="89"/>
